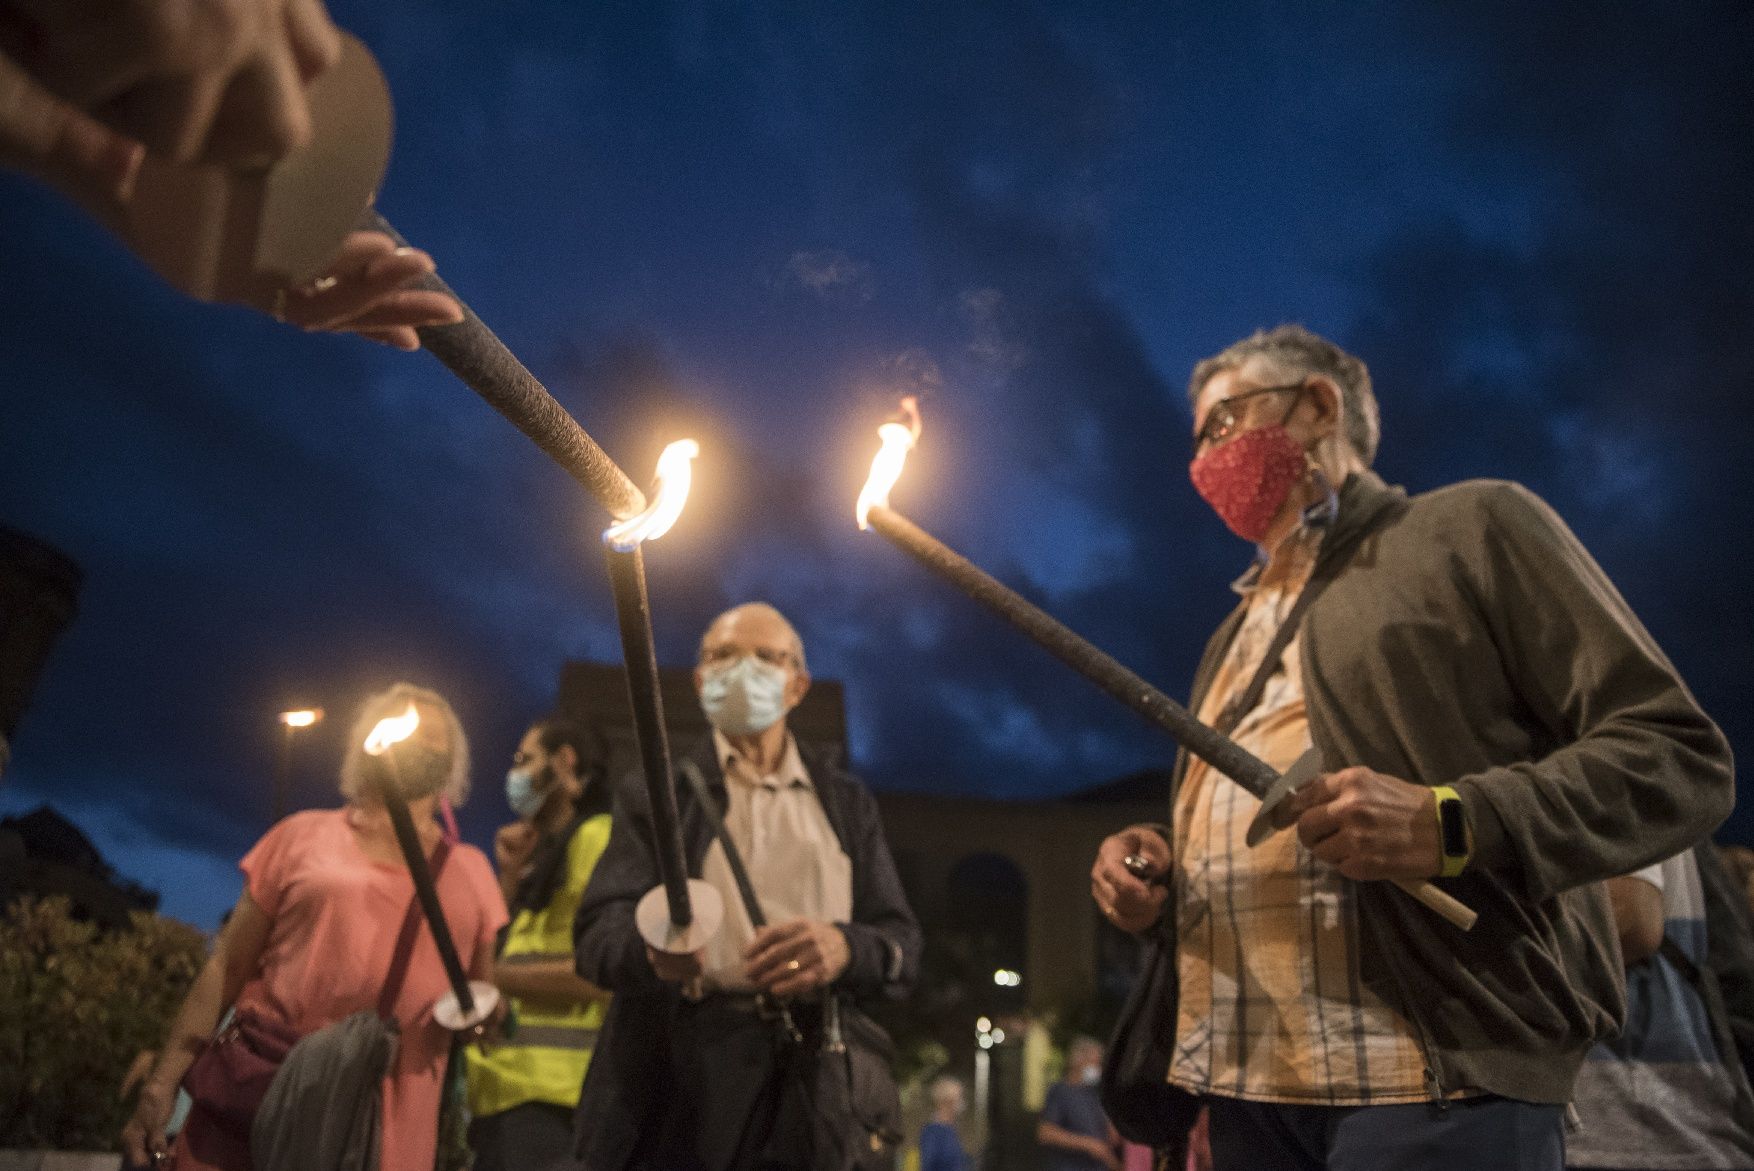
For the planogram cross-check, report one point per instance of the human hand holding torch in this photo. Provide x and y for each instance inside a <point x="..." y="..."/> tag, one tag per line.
<point x="232" y="146"/>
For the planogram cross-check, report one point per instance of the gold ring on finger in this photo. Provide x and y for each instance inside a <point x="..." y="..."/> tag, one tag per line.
<point x="793" y="965"/>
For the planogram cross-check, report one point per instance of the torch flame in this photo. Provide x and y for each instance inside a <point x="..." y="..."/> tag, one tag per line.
<point x="898" y="440"/>
<point x="392" y="730"/>
<point x="675" y="474"/>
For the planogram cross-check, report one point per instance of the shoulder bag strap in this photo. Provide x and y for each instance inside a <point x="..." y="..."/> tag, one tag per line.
<point x="1245" y="701"/>
<point x="405" y="938"/>
<point x="714" y="819"/>
<point x="1329" y="563"/>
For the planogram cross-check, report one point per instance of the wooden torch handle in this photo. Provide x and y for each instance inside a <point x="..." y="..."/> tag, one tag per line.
<point x="1448" y="906"/>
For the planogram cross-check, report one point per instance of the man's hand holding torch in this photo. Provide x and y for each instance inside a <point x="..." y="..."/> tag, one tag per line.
<point x="1366" y="824"/>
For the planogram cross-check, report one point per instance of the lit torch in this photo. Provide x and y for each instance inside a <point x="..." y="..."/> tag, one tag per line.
<point x="1225" y="755"/>
<point x="898" y="439"/>
<point x="680" y="914"/>
<point x="468" y="1003"/>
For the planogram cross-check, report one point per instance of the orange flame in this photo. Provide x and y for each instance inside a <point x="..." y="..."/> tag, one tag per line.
<point x="898" y="440"/>
<point x="675" y="477"/>
<point x="303" y="718"/>
<point x="392" y="730"/>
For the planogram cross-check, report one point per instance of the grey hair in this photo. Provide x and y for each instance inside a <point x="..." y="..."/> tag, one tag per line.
<point x="1293" y="350"/>
<point x="355" y="766"/>
<point x="941" y="1089"/>
<point x="771" y="610"/>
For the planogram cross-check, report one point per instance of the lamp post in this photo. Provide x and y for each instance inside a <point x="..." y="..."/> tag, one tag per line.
<point x="290" y="723"/>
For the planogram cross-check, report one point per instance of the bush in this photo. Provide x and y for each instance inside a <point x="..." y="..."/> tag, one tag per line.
<point x="76" y="1005"/>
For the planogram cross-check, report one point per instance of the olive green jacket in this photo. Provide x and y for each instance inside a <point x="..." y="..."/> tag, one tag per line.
<point x="1465" y="637"/>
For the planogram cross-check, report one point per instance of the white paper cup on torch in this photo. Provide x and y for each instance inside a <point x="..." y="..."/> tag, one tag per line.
<point x="652" y="916"/>
<point x="449" y="1013"/>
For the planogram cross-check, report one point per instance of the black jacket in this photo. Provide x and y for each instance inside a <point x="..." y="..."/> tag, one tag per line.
<point x="630" y="1077"/>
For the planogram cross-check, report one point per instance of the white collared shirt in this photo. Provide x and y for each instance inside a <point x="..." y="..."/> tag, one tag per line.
<point x="795" y="861"/>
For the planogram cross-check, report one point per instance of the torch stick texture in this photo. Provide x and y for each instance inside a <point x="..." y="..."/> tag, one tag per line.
<point x="475" y="355"/>
<point x="1077" y="652"/>
<point x="424" y="890"/>
<point x="484" y="364"/>
<point x="1211" y="746"/>
<point x="627" y="574"/>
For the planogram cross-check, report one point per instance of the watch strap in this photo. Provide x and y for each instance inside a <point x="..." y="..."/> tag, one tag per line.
<point x="1453" y="840"/>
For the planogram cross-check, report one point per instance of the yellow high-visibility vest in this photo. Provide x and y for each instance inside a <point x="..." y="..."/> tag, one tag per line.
<point x="546" y="1058"/>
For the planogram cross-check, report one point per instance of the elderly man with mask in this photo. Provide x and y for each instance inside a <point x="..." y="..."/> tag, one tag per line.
<point x="688" y="1076"/>
<point x="1491" y="716"/>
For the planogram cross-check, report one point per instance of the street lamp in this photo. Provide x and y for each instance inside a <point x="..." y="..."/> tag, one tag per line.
<point x="290" y="723"/>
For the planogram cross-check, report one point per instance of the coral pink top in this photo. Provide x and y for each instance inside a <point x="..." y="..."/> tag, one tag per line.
<point x="334" y="918"/>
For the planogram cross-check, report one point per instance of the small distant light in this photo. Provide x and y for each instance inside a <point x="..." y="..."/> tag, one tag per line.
<point x="998" y="1036"/>
<point x="302" y="718"/>
<point x="986" y="1041"/>
<point x="983" y="1025"/>
<point x="1006" y="978"/>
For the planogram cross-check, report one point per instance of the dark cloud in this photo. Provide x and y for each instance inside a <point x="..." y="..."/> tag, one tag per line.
<point x="1604" y="356"/>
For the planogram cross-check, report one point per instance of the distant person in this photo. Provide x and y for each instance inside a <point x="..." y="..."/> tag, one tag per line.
<point x="311" y="940"/>
<point x="523" y="1091"/>
<point x="695" y="1071"/>
<point x="940" y="1145"/>
<point x="87" y="90"/>
<point x="1668" y="1094"/>
<point x="1074" y="1132"/>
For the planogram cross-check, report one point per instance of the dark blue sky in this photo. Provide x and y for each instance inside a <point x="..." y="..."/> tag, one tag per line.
<point x="758" y="225"/>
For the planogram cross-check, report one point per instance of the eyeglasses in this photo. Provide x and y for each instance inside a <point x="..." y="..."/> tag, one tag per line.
<point x="768" y="655"/>
<point x="1222" y="420"/>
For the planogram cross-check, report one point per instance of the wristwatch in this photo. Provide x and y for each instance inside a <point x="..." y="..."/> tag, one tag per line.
<point x="1452" y="831"/>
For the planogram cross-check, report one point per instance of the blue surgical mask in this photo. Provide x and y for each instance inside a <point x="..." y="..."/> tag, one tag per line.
<point x="521" y="793"/>
<point x="744" y="697"/>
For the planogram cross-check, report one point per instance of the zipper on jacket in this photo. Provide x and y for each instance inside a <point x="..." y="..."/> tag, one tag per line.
<point x="1433" y="1080"/>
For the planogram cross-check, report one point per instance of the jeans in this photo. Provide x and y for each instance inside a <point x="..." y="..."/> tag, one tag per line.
<point x="1501" y="1133"/>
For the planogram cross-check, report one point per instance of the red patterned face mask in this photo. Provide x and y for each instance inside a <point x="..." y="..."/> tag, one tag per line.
<point x="1248" y="480"/>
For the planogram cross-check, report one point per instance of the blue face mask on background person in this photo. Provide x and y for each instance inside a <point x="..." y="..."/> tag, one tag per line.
<point x="744" y="697"/>
<point x="521" y="793"/>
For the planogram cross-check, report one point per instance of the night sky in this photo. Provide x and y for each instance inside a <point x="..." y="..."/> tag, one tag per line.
<point x="758" y="225"/>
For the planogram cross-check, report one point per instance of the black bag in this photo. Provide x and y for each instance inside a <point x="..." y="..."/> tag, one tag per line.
<point x="1136" y="1094"/>
<point x="844" y="1072"/>
<point x="856" y="1108"/>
